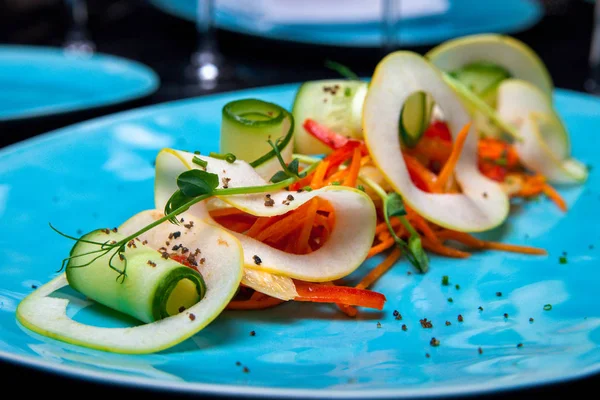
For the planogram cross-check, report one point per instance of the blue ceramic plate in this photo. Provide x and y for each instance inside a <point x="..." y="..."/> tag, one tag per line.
<point x="38" y="81"/>
<point x="98" y="173"/>
<point x="463" y="17"/>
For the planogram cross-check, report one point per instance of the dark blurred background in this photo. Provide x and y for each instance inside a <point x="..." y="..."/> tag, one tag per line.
<point x="137" y="30"/>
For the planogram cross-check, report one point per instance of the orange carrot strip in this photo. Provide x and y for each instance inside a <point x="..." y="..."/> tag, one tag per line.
<point x="514" y="248"/>
<point x="555" y="197"/>
<point x="382" y="226"/>
<point x="448" y="168"/>
<point x="421" y="224"/>
<point x="261" y="224"/>
<point x="424" y="175"/>
<point x="308" y="222"/>
<point x="379" y="270"/>
<point x="317" y="180"/>
<point x="225" y="212"/>
<point x="337" y="176"/>
<point x="267" y="302"/>
<point x="353" y="170"/>
<point x="476" y="243"/>
<point x="288" y="223"/>
<point x="443" y="250"/>
<point x="378" y="248"/>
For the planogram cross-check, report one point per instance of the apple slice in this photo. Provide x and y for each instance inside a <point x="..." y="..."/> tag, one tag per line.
<point x="482" y="205"/>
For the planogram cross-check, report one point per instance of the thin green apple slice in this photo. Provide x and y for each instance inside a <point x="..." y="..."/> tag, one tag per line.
<point x="482" y="205"/>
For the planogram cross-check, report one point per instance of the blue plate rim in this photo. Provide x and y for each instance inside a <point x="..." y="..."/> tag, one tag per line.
<point x="255" y="391"/>
<point x="228" y="21"/>
<point x="143" y="90"/>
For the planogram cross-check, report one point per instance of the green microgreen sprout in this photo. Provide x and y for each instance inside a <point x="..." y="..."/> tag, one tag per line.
<point x="393" y="206"/>
<point x="194" y="186"/>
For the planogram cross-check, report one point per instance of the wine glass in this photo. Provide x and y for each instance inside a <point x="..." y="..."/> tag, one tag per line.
<point x="77" y="40"/>
<point x="389" y="21"/>
<point x="592" y="84"/>
<point x="207" y="68"/>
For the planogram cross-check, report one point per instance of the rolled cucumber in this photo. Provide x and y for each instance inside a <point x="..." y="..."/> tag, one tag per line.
<point x="247" y="126"/>
<point x="153" y="287"/>
<point x="336" y="104"/>
<point x="148" y="293"/>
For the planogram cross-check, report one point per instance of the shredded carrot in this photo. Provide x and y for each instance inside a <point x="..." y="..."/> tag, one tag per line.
<point x="425" y="179"/>
<point x="379" y="270"/>
<point x="225" y="212"/>
<point x="302" y="246"/>
<point x="261" y="304"/>
<point x="443" y="250"/>
<point x="448" y="168"/>
<point x="382" y="226"/>
<point x="476" y="243"/>
<point x="319" y="175"/>
<point x="555" y="197"/>
<point x="421" y="224"/>
<point x="378" y="248"/>
<point x="353" y="170"/>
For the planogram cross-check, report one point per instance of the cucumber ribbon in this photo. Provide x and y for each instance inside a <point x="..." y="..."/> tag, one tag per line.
<point x="153" y="292"/>
<point x="247" y="126"/>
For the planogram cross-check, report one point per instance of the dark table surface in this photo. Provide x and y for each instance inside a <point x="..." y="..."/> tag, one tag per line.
<point x="136" y="30"/>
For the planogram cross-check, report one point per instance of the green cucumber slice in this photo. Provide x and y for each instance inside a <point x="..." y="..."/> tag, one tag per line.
<point x="246" y="127"/>
<point x="482" y="78"/>
<point x="336" y="104"/>
<point x="150" y="284"/>
<point x="222" y="272"/>
<point x="504" y="52"/>
<point x="415" y="118"/>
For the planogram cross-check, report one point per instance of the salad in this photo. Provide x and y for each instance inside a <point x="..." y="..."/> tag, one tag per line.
<point x="428" y="153"/>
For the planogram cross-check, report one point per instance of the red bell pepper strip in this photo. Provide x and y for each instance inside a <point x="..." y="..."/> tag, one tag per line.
<point x="438" y="129"/>
<point x="327" y="136"/>
<point x="319" y="293"/>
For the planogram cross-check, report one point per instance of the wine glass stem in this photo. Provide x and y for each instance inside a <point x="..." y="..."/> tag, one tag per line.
<point x="205" y="26"/>
<point x="389" y="19"/>
<point x="593" y="84"/>
<point x="77" y="38"/>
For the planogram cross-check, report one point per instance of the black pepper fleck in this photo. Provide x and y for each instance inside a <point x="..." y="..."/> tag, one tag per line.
<point x="505" y="315"/>
<point x="379" y="324"/>
<point x="252" y="333"/>
<point x="519" y="345"/>
<point x="434" y="342"/>
<point x="460" y="318"/>
<point x="480" y="350"/>
<point x="404" y="328"/>
<point x="499" y="294"/>
<point x="269" y="202"/>
<point x="256" y="259"/>
<point x="192" y="317"/>
<point x="480" y="308"/>
<point x="448" y="323"/>
<point x="530" y="320"/>
<point x="425" y="323"/>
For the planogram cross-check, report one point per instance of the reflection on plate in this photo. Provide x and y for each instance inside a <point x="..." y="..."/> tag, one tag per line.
<point x="98" y="173"/>
<point x="38" y="81"/>
<point x="424" y="22"/>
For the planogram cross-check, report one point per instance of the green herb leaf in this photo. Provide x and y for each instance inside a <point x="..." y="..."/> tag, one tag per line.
<point x="342" y="70"/>
<point x="176" y="200"/>
<point x="196" y="182"/>
<point x="416" y="248"/>
<point x="394" y="206"/>
<point x="293" y="166"/>
<point x="279" y="176"/>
